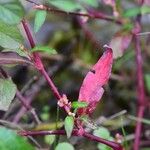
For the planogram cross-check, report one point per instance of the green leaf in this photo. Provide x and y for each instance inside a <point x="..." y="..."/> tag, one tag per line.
<point x="9" y="140"/>
<point x="102" y="132"/>
<point x="92" y="3"/>
<point x="11" y="12"/>
<point x="79" y="104"/>
<point x="46" y="49"/>
<point x="10" y="36"/>
<point x="69" y="123"/>
<point x="49" y="139"/>
<point x="64" y="146"/>
<point x="147" y="82"/>
<point x="39" y="19"/>
<point x="145" y="9"/>
<point x="66" y="5"/>
<point x="132" y="12"/>
<point x="7" y="93"/>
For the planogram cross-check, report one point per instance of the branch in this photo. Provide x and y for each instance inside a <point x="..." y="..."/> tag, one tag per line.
<point x="140" y="82"/>
<point x="28" y="107"/>
<point x="38" y="63"/>
<point x="62" y="100"/>
<point x="91" y="13"/>
<point x="75" y="132"/>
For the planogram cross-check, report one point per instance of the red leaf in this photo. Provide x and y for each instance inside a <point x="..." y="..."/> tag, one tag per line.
<point x="91" y="90"/>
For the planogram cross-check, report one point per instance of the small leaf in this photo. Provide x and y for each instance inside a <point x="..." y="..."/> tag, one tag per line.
<point x="10" y="36"/>
<point x="132" y="12"/>
<point x="69" y="124"/>
<point x="49" y="139"/>
<point x="66" y="5"/>
<point x="147" y="82"/>
<point x="64" y="146"/>
<point x="76" y="105"/>
<point x="11" y="12"/>
<point x="102" y="132"/>
<point x="13" y="58"/>
<point x="9" y="140"/>
<point x="46" y="49"/>
<point x="7" y="93"/>
<point x="91" y="89"/>
<point x="145" y="9"/>
<point x="39" y="19"/>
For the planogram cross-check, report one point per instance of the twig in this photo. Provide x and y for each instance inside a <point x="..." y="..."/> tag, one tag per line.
<point x="115" y="146"/>
<point x="28" y="107"/>
<point x="91" y="13"/>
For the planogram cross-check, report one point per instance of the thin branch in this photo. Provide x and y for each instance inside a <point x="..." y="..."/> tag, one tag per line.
<point x="38" y="62"/>
<point x="115" y="146"/>
<point x="28" y="106"/>
<point x="91" y="13"/>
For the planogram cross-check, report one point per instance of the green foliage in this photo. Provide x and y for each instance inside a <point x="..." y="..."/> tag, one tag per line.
<point x="7" y="93"/>
<point x="64" y="146"/>
<point x="11" y="11"/>
<point x="66" y="5"/>
<point x="132" y="12"/>
<point x="145" y="9"/>
<point x="103" y="133"/>
<point x="76" y="105"/>
<point x="147" y="82"/>
<point x="49" y="139"/>
<point x="39" y="19"/>
<point x="9" y="140"/>
<point x="10" y="36"/>
<point x="69" y="124"/>
<point x="46" y="49"/>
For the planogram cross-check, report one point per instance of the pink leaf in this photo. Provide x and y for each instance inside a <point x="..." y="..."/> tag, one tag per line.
<point x="91" y="90"/>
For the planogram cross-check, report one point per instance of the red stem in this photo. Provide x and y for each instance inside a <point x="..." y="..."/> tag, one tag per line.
<point x="138" y="129"/>
<point x="75" y="132"/>
<point x="38" y="63"/>
<point x="140" y="82"/>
